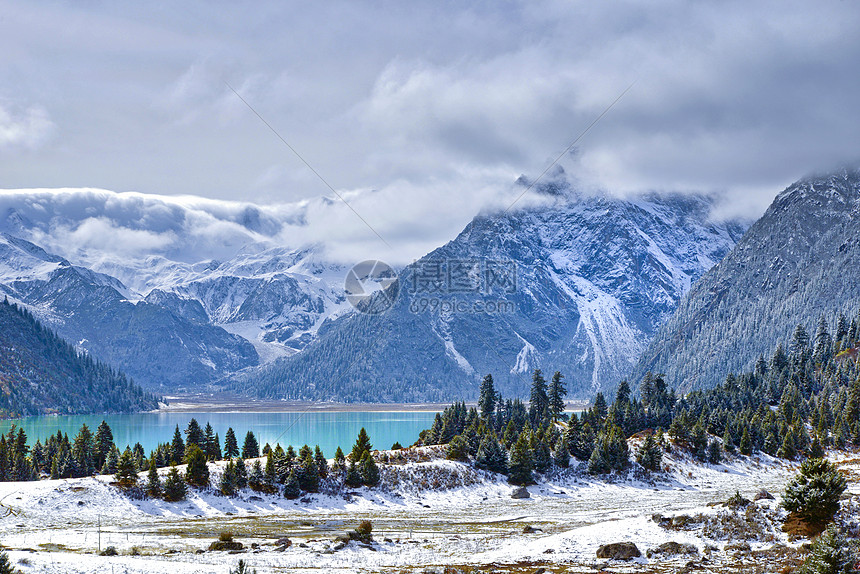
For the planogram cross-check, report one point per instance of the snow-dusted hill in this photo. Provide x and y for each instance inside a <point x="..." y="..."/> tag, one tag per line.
<point x="592" y="279"/>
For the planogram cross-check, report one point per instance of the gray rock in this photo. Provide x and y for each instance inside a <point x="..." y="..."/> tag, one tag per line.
<point x="521" y="492"/>
<point x="619" y="551"/>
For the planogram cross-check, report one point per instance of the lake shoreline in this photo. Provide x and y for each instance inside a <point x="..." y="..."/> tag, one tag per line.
<point x="228" y="403"/>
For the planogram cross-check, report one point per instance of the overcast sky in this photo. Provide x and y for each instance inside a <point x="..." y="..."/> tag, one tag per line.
<point x="423" y="113"/>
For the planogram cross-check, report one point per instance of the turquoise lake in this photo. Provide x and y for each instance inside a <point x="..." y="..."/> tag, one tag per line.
<point x="326" y="429"/>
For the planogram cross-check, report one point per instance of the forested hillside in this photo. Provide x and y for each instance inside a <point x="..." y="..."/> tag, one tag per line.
<point x="40" y="373"/>
<point x="793" y="405"/>
<point x="800" y="260"/>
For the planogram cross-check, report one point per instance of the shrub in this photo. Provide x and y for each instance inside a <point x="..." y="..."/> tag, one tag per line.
<point x="365" y="527"/>
<point x="225" y="536"/>
<point x="243" y="568"/>
<point x="109" y="551"/>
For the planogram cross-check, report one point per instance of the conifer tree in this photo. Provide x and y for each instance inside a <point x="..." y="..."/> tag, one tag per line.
<point x="231" y="447"/>
<point x="728" y="442"/>
<point x="541" y="454"/>
<point x="813" y="494"/>
<point x="487" y="400"/>
<point x="339" y="460"/>
<point x="153" y="481"/>
<point x="362" y="445"/>
<point x="177" y="447"/>
<point x="174" y="487"/>
<point x="353" y="476"/>
<point x="6" y="565"/>
<point x="103" y="444"/>
<point x="490" y="455"/>
<point x="557" y="392"/>
<point x="126" y="469"/>
<point x="650" y="455"/>
<point x="241" y="473"/>
<point x="309" y="480"/>
<point x="746" y="443"/>
<point x="227" y="482"/>
<point x="291" y="486"/>
<point x="256" y="479"/>
<point x="521" y="462"/>
<point x="599" y="408"/>
<point x="212" y="444"/>
<point x="369" y="470"/>
<point x="321" y="462"/>
<point x="831" y="553"/>
<point x="561" y="453"/>
<point x="457" y="449"/>
<point x="197" y="472"/>
<point x="83" y="448"/>
<point x="111" y="461"/>
<point x="250" y="448"/>
<point x="538" y="400"/>
<point x="714" y="454"/>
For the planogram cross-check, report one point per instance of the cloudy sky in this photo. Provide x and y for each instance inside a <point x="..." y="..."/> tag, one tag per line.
<point x="424" y="113"/>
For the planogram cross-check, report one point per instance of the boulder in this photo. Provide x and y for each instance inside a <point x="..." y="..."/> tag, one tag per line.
<point x="529" y="529"/>
<point x="672" y="548"/>
<point x="521" y="492"/>
<point x="619" y="551"/>
<point x="763" y="495"/>
<point x="284" y="541"/>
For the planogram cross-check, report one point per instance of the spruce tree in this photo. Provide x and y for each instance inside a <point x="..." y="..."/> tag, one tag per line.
<point x="487" y="400"/>
<point x="227" y="483"/>
<point x="310" y="476"/>
<point x="746" y="443"/>
<point x="353" y="476"/>
<point x="813" y="494"/>
<point x="650" y="455"/>
<point x="457" y="449"/>
<point x="241" y="473"/>
<point x="339" y="460"/>
<point x="174" y="486"/>
<point x="542" y="455"/>
<point x="321" y="462"/>
<point x="599" y="408"/>
<point x="212" y="444"/>
<point x="557" y="392"/>
<point x="369" y="470"/>
<point x="291" y="486"/>
<point x="521" y="462"/>
<point x="250" y="448"/>
<point x="153" y="481"/>
<point x="111" y="461"/>
<point x="714" y="454"/>
<point x="831" y="553"/>
<point x="257" y="479"/>
<point x="361" y="446"/>
<point x="126" y="469"/>
<point x="103" y="443"/>
<point x="177" y="447"/>
<point x="538" y="400"/>
<point x="197" y="472"/>
<point x="6" y="565"/>
<point x="231" y="447"/>
<point x="490" y="455"/>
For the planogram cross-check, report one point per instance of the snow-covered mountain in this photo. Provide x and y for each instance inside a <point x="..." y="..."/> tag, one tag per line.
<point x="795" y="264"/>
<point x="177" y="292"/>
<point x="593" y="279"/>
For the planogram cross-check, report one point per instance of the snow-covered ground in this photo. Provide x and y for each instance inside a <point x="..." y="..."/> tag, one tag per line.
<point x="420" y="521"/>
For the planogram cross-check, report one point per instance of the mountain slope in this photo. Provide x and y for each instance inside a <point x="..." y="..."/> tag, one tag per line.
<point x="594" y="278"/>
<point x="800" y="260"/>
<point x="151" y="342"/>
<point x="42" y="374"/>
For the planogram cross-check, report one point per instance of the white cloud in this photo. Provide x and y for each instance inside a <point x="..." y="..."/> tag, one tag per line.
<point x="27" y="128"/>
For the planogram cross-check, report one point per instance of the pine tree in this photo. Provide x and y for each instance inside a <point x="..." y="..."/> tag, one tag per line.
<point x="542" y="455"/>
<point x="538" y="400"/>
<point x="831" y="553"/>
<point x="153" y="481"/>
<point x="487" y="400"/>
<point x="599" y="408"/>
<point x="369" y="470"/>
<point x="557" y="392"/>
<point x="231" y="447"/>
<point x="83" y="448"/>
<point x="746" y="443"/>
<point x="174" y="486"/>
<point x="126" y="469"/>
<point x="521" y="462"/>
<point x="257" y="480"/>
<point x="813" y="494"/>
<point x="650" y="455"/>
<point x="250" y="448"/>
<point x="241" y="473"/>
<point x="177" y="447"/>
<point x="561" y="453"/>
<point x="309" y="479"/>
<point x="728" y="442"/>
<point x="815" y="449"/>
<point x="361" y="446"/>
<point x="699" y="442"/>
<point x="197" y="472"/>
<point x="714" y="454"/>
<point x="111" y="461"/>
